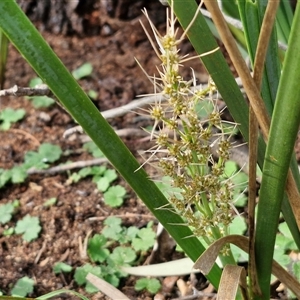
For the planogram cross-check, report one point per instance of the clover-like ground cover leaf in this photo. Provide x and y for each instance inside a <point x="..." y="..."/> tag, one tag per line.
<point x="114" y="196"/>
<point x="9" y="231"/>
<point x="33" y="159"/>
<point x="122" y="256"/>
<point x="81" y="273"/>
<point x="9" y="115"/>
<point x="110" y="174"/>
<point x="42" y="101"/>
<point x="238" y="226"/>
<point x="47" y="153"/>
<point x="128" y="234"/>
<point x="29" y="226"/>
<point x="23" y="287"/>
<point x="5" y="176"/>
<point x="145" y="239"/>
<point x="113" y="279"/>
<point x="6" y="212"/>
<point x="150" y="284"/>
<point x="50" y="152"/>
<point x="84" y="172"/>
<point x="18" y="174"/>
<point x="61" y="267"/>
<point x="102" y="184"/>
<point x="92" y="148"/>
<point x="113" y="228"/>
<point x="284" y="240"/>
<point x="50" y="202"/>
<point x="96" y="248"/>
<point x="83" y="71"/>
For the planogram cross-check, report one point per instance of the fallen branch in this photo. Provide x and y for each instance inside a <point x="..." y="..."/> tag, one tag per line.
<point x="40" y="90"/>
<point x="71" y="166"/>
<point x="123" y="216"/>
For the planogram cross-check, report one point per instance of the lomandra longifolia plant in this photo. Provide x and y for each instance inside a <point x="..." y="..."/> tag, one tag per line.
<point x="184" y="142"/>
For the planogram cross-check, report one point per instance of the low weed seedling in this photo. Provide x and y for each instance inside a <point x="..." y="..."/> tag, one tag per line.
<point x="39" y="101"/>
<point x="45" y="101"/>
<point x="83" y="71"/>
<point x="114" y="230"/>
<point x="60" y="267"/>
<point x="40" y="159"/>
<point x="46" y="154"/>
<point x="29" y="227"/>
<point x="50" y="202"/>
<point x="82" y="272"/>
<point x="144" y="239"/>
<point x="92" y="94"/>
<point x="112" y="249"/>
<point x="9" y="116"/>
<point x="96" y="248"/>
<point x="93" y="149"/>
<point x="104" y="180"/>
<point x="152" y="285"/>
<point x="102" y="177"/>
<point x="114" y="196"/>
<point x="23" y="287"/>
<point x="7" y="210"/>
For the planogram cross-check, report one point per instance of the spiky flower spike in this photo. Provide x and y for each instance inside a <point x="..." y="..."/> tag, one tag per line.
<point x="186" y="141"/>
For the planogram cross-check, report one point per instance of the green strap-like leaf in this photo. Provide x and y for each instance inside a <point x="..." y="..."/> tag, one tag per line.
<point x="283" y="132"/>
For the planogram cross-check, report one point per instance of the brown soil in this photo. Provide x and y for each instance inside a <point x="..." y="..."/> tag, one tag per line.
<point x="110" y="46"/>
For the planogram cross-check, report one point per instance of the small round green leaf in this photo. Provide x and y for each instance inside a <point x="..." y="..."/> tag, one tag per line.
<point x="23" y="287"/>
<point x="150" y="284"/>
<point x="61" y="267"/>
<point x="114" y="196"/>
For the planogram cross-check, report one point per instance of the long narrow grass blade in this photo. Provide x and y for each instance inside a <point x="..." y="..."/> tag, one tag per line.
<point x="3" y="57"/>
<point x="252" y="15"/>
<point x="284" y="128"/>
<point x="284" y="21"/>
<point x="259" y="61"/>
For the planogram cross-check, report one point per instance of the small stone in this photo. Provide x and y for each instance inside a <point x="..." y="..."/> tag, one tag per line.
<point x="159" y="296"/>
<point x="44" y="117"/>
<point x="168" y="283"/>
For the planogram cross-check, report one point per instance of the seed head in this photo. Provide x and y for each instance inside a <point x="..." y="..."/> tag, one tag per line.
<point x="187" y="140"/>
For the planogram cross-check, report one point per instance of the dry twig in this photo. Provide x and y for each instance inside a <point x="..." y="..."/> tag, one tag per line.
<point x="40" y="90"/>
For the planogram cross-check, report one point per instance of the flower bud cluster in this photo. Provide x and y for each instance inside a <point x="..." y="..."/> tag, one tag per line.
<point x="186" y="141"/>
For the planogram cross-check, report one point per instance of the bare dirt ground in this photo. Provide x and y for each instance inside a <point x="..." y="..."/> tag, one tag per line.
<point x="110" y="40"/>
